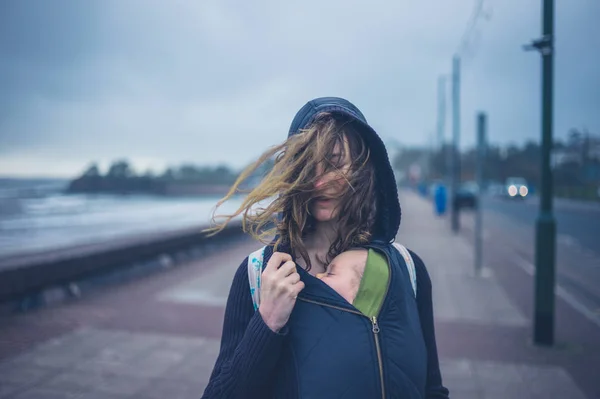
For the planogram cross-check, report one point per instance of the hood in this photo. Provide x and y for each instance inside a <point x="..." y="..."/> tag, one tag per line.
<point x="388" y="205"/>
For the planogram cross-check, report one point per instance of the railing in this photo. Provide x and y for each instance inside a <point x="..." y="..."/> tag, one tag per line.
<point x="25" y="275"/>
<point x="583" y="193"/>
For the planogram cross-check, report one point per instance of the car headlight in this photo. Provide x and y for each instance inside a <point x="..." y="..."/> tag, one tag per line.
<point x="512" y="191"/>
<point x="523" y="191"/>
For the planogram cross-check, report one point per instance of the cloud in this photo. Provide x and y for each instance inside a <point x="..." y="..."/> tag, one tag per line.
<point x="219" y="81"/>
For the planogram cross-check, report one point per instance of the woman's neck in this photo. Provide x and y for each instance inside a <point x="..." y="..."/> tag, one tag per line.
<point x="318" y="244"/>
<point x="322" y="237"/>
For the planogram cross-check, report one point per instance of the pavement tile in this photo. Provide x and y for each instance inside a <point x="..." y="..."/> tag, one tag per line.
<point x="102" y="395"/>
<point x="196" y="365"/>
<point x="45" y="393"/>
<point x="114" y="355"/>
<point x="162" y="388"/>
<point x="93" y="366"/>
<point x="461" y="384"/>
<point x="185" y="374"/>
<point x="183" y="344"/>
<point x="61" y="352"/>
<point x="102" y="382"/>
<point x="132" y="343"/>
<point x="24" y="375"/>
<point x="467" y="394"/>
<point x="495" y="380"/>
<point x="7" y="389"/>
<point x="550" y="381"/>
<point x="497" y="374"/>
<point x="155" y="364"/>
<point x="460" y="368"/>
<point x="58" y="361"/>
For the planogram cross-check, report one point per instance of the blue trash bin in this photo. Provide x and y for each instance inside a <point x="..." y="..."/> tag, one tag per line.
<point x="440" y="199"/>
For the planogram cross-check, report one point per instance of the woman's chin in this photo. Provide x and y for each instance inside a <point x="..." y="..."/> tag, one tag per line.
<point x="324" y="215"/>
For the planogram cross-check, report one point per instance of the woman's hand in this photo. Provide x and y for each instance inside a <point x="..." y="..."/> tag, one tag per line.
<point x="280" y="287"/>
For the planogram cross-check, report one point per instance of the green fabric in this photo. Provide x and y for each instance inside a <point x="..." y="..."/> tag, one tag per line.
<point x="373" y="285"/>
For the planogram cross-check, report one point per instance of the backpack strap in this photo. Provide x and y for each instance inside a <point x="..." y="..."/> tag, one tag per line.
<point x="410" y="265"/>
<point x="255" y="267"/>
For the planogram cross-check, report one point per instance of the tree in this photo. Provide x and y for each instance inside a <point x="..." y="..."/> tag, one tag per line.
<point x="168" y="174"/>
<point x="92" y="171"/>
<point x="120" y="169"/>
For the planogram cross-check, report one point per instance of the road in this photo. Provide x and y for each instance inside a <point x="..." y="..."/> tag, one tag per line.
<point x="510" y="226"/>
<point x="579" y="222"/>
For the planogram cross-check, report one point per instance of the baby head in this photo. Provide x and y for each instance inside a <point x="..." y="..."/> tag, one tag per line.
<point x="343" y="274"/>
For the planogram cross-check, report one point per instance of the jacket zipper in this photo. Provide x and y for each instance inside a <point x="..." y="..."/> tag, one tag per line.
<point x="379" y="359"/>
<point x="375" y="330"/>
<point x="376" y="326"/>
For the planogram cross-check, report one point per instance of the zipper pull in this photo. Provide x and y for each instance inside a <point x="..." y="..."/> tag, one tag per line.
<point x="375" y="325"/>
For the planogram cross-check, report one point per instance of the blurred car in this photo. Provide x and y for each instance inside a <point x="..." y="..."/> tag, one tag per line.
<point x="467" y="195"/>
<point x="516" y="188"/>
<point x="496" y="189"/>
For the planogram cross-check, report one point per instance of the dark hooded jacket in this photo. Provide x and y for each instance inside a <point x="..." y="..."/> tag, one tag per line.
<point x="328" y="349"/>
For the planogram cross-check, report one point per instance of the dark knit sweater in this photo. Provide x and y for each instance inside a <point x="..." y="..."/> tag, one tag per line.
<point x="250" y="350"/>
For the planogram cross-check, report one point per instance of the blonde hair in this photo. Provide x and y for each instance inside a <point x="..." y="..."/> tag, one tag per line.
<point x="290" y="186"/>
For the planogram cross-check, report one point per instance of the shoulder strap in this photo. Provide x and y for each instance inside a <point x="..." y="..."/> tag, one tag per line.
<point x="255" y="263"/>
<point x="255" y="266"/>
<point x="410" y="265"/>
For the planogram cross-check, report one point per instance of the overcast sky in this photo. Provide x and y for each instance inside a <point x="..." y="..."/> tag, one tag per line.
<point x="166" y="82"/>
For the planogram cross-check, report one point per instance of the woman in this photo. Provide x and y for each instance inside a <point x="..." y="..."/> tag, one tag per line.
<point x="331" y="191"/>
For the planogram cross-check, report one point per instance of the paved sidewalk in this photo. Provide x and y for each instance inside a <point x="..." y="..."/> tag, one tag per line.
<point x="152" y="338"/>
<point x="483" y="334"/>
<point x="157" y="337"/>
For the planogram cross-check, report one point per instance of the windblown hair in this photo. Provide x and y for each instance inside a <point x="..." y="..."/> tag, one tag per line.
<point x="289" y="188"/>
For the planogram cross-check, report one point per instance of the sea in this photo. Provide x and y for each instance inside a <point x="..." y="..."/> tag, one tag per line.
<point x="38" y="215"/>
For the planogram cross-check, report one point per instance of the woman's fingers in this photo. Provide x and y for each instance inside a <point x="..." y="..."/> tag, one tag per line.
<point x="292" y="278"/>
<point x="299" y="286"/>
<point x="286" y="269"/>
<point x="276" y="260"/>
<point x="282" y="275"/>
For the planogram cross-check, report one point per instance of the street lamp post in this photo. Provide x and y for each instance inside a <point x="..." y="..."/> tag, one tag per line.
<point x="456" y="172"/>
<point x="545" y="238"/>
